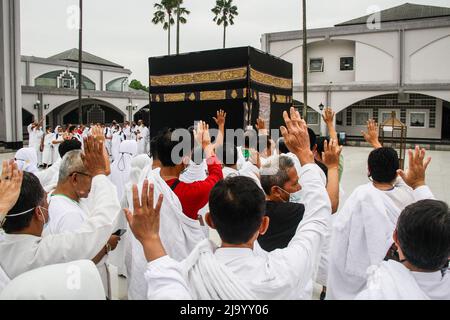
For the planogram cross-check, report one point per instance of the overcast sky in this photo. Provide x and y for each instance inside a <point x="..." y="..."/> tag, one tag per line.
<point x="122" y="31"/>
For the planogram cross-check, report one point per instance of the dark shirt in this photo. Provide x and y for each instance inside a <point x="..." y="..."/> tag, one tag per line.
<point x="284" y="220"/>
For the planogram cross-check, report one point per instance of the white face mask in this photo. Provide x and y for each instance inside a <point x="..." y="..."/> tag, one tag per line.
<point x="25" y="212"/>
<point x="43" y="216"/>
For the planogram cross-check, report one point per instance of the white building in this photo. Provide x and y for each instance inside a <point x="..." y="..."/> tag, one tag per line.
<point x="32" y="87"/>
<point x="49" y="90"/>
<point x="394" y="60"/>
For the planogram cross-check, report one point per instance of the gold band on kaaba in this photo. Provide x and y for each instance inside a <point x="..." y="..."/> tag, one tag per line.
<point x="199" y="95"/>
<point x="268" y="80"/>
<point x="220" y="76"/>
<point x="199" y="77"/>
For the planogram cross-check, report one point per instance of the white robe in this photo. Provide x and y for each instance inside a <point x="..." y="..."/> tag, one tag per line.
<point x="4" y="279"/>
<point x="248" y="169"/>
<point x="179" y="235"/>
<point x="127" y="132"/>
<point x="250" y="274"/>
<point x="57" y="137"/>
<point x="76" y="280"/>
<point x="38" y="134"/>
<point x="117" y="139"/>
<point x="31" y="136"/>
<point x="146" y="135"/>
<point x="108" y="135"/>
<point x="23" y="252"/>
<point x="391" y="280"/>
<point x="195" y="172"/>
<point x="362" y="234"/>
<point x="49" y="177"/>
<point x="141" y="143"/>
<point x="47" y="155"/>
<point x="121" y="167"/>
<point x="26" y="160"/>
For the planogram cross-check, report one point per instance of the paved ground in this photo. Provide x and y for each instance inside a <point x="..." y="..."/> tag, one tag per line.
<point x="355" y="174"/>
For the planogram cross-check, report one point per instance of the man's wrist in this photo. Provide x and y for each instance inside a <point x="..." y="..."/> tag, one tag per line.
<point x="418" y="184"/>
<point x="305" y="157"/>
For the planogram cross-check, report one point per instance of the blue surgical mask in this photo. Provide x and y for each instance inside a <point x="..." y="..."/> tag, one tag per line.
<point x="295" y="197"/>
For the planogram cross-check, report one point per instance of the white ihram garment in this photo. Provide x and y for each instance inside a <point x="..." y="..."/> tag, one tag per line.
<point x="243" y="273"/>
<point x="76" y="280"/>
<point x="362" y="235"/>
<point x="391" y="280"/>
<point x="179" y="235"/>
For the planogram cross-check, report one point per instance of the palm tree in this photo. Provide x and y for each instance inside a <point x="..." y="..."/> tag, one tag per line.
<point x="225" y="12"/>
<point x="164" y="15"/>
<point x="180" y="11"/>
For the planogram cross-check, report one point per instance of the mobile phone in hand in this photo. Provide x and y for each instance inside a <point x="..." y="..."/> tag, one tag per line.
<point x="119" y="232"/>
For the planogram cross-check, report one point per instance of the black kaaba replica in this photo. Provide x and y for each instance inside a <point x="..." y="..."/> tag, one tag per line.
<point x="244" y="82"/>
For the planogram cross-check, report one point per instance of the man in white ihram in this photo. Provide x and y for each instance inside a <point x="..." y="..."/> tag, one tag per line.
<point x="239" y="269"/>
<point x="23" y="248"/>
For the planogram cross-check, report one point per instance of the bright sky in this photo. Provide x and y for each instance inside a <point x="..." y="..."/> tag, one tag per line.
<point x="122" y="31"/>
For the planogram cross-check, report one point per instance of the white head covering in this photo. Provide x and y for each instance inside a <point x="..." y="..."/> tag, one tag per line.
<point x="26" y="159"/>
<point x="139" y="164"/>
<point x="77" y="280"/>
<point x="194" y="172"/>
<point x="121" y="168"/>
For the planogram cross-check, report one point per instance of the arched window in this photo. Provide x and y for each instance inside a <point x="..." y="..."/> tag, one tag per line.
<point x="120" y="85"/>
<point x="63" y="79"/>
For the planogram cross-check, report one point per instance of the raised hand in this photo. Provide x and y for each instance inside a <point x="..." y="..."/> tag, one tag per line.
<point x="97" y="133"/>
<point x="372" y="134"/>
<point x="220" y="118"/>
<point x="296" y="137"/>
<point x="93" y="157"/>
<point x="144" y="222"/>
<point x="10" y="184"/>
<point x="255" y="158"/>
<point x="330" y="156"/>
<point x="328" y="115"/>
<point x="201" y="134"/>
<point x="415" y="175"/>
<point x="261" y="126"/>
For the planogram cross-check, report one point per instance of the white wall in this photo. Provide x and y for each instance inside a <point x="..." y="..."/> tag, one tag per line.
<point x="331" y="52"/>
<point x="38" y="69"/>
<point x="23" y="73"/>
<point x="374" y="65"/>
<point x="427" y="54"/>
<point x="108" y="76"/>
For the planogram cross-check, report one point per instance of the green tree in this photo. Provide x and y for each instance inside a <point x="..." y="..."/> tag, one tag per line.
<point x="225" y="13"/>
<point x="137" y="85"/>
<point x="164" y="14"/>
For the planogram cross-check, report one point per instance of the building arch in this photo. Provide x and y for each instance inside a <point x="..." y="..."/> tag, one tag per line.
<point x="143" y="114"/>
<point x="63" y="79"/>
<point x="325" y="40"/>
<point x="426" y="115"/>
<point x="117" y="85"/>
<point x="68" y="112"/>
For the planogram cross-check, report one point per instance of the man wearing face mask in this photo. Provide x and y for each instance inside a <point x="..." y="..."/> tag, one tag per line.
<point x="279" y="180"/>
<point x="23" y="248"/>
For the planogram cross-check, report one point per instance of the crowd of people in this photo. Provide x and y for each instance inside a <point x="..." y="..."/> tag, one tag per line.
<point x="46" y="144"/>
<point x="83" y="205"/>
